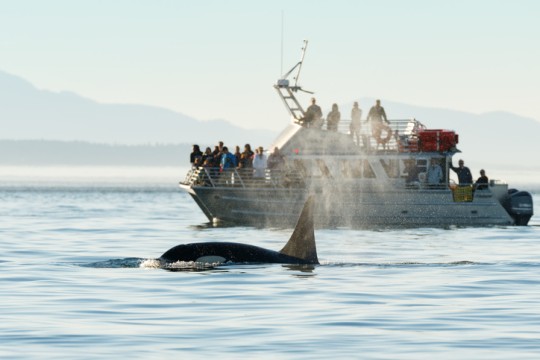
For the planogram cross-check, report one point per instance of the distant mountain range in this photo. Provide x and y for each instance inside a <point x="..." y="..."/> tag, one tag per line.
<point x="29" y="113"/>
<point x="39" y="126"/>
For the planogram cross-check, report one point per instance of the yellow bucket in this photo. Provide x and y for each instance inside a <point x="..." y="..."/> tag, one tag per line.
<point x="463" y="193"/>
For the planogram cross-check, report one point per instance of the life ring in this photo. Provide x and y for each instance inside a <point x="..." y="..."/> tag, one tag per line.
<point x="377" y="129"/>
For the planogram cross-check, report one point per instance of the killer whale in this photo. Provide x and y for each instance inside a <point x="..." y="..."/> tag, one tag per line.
<point x="300" y="249"/>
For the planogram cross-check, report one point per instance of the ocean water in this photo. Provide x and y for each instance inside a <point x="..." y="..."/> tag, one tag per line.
<point x="77" y="280"/>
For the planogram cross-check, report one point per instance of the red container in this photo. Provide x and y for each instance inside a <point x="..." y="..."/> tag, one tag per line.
<point x="437" y="140"/>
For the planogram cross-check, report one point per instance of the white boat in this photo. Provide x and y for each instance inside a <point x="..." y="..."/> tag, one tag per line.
<point x="365" y="182"/>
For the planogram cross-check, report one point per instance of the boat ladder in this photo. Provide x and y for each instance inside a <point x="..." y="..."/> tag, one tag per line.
<point x="290" y="101"/>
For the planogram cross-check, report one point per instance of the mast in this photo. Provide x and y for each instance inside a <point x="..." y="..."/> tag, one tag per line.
<point x="286" y="91"/>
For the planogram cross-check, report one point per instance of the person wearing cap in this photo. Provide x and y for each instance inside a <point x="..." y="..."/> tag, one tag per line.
<point x="463" y="173"/>
<point x="259" y="163"/>
<point x="313" y="115"/>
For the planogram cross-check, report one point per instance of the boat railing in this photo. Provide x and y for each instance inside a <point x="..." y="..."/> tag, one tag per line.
<point x="244" y="178"/>
<point x="399" y="134"/>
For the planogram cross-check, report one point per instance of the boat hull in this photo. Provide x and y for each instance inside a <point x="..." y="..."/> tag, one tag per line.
<point x="353" y="209"/>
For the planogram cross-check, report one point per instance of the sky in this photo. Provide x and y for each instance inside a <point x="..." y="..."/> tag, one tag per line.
<point x="219" y="59"/>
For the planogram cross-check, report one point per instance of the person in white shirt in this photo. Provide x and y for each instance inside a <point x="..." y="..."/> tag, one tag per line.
<point x="259" y="163"/>
<point x="434" y="173"/>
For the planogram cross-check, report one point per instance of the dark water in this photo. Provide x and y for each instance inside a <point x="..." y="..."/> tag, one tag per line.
<point x="77" y="280"/>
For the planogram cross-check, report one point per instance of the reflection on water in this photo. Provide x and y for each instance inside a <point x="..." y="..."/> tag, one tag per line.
<point x="79" y="275"/>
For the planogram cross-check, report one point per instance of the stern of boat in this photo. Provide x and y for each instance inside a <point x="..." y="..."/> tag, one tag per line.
<point x="519" y="205"/>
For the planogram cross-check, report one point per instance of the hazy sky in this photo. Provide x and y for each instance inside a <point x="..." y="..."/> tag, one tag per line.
<point x="219" y="59"/>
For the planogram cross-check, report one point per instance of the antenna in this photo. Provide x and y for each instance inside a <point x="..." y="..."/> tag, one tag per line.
<point x="300" y="62"/>
<point x="286" y="92"/>
<point x="282" y="36"/>
<point x="298" y="65"/>
<point x="283" y="82"/>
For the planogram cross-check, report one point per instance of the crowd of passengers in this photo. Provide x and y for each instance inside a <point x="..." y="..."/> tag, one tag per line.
<point x="223" y="159"/>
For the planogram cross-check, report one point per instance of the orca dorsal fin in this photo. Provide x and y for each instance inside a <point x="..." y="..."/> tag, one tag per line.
<point x="301" y="245"/>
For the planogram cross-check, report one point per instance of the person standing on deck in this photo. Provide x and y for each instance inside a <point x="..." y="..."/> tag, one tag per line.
<point x="226" y="167"/>
<point x="246" y="158"/>
<point x="434" y="173"/>
<point x="228" y="161"/>
<point x="195" y="158"/>
<point x="259" y="163"/>
<point x="355" y="127"/>
<point x="333" y="118"/>
<point x="463" y="173"/>
<point x="379" y="122"/>
<point x="482" y="182"/>
<point x="313" y="115"/>
<point x="275" y="160"/>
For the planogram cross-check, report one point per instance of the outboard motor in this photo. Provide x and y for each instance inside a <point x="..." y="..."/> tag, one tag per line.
<point x="519" y="205"/>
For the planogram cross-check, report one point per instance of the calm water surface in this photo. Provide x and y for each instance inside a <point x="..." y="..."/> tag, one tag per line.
<point x="77" y="281"/>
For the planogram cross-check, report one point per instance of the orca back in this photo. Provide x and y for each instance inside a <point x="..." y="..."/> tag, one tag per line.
<point x="300" y="249"/>
<point x="223" y="252"/>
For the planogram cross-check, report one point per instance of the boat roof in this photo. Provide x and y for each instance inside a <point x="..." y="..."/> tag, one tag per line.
<point x="311" y="141"/>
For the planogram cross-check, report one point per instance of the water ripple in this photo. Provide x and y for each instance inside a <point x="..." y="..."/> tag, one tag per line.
<point x="80" y="278"/>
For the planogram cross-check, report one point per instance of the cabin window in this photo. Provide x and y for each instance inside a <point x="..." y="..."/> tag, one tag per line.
<point x="368" y="171"/>
<point x="407" y="167"/>
<point x="356" y="168"/>
<point x="345" y="168"/>
<point x="422" y="165"/>
<point x="391" y="167"/>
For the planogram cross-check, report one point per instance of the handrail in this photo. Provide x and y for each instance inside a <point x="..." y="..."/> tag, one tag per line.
<point x="403" y="126"/>
<point x="402" y="131"/>
<point x="289" y="177"/>
<point x="243" y="178"/>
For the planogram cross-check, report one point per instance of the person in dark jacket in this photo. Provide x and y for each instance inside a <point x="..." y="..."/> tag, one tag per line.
<point x="482" y="182"/>
<point x="333" y="118"/>
<point x="313" y="115"/>
<point x="379" y="123"/>
<point x="195" y="158"/>
<point x="463" y="173"/>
